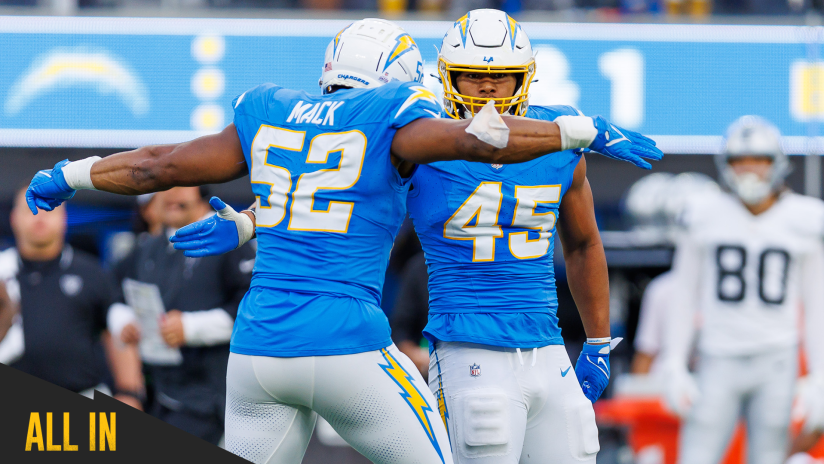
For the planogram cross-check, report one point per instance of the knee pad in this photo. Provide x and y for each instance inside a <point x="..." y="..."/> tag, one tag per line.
<point x="486" y="417"/>
<point x="581" y="427"/>
<point x="483" y="426"/>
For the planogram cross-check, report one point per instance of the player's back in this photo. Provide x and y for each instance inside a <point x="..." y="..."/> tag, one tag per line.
<point x="488" y="234"/>
<point x="330" y="200"/>
<point x="750" y="269"/>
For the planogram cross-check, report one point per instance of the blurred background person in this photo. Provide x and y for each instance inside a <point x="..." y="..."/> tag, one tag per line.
<point x="147" y="222"/>
<point x="64" y="303"/>
<point x="201" y="297"/>
<point x="745" y="263"/>
<point x="654" y="205"/>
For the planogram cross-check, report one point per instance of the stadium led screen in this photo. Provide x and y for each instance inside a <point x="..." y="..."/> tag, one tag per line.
<point x="122" y="82"/>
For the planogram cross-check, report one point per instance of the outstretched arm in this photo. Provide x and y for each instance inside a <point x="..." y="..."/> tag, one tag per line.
<point x="204" y="160"/>
<point x="210" y="159"/>
<point x="427" y="140"/>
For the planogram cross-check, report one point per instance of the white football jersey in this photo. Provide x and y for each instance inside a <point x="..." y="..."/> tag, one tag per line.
<point x="748" y="276"/>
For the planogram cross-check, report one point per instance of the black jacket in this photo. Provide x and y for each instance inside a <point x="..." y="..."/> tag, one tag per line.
<point x="198" y="385"/>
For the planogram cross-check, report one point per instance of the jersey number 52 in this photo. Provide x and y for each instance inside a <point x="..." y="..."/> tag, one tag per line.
<point x="272" y="184"/>
<point x="477" y="220"/>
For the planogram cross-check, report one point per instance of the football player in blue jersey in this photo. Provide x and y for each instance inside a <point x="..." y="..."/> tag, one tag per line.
<point x="504" y="383"/>
<point x="330" y="174"/>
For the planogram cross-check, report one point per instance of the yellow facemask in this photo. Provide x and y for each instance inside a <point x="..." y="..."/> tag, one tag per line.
<point x="455" y="102"/>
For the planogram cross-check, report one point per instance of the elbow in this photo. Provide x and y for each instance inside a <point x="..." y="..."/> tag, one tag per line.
<point x="152" y="172"/>
<point x="473" y="149"/>
<point x="584" y="248"/>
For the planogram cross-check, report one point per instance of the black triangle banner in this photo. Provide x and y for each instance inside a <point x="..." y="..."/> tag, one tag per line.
<point x="43" y="423"/>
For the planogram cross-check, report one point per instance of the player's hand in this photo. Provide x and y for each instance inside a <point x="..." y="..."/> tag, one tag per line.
<point x="622" y="144"/>
<point x="130" y="334"/>
<point x="171" y="328"/>
<point x="48" y="189"/>
<point x="809" y="402"/>
<point x="592" y="370"/>
<point x="218" y="234"/>
<point x="681" y="391"/>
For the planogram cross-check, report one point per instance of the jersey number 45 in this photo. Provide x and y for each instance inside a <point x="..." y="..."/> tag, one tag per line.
<point x="477" y="220"/>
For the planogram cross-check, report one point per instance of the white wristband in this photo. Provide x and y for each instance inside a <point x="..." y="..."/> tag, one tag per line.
<point x="78" y="174"/>
<point x="245" y="227"/>
<point x="576" y="131"/>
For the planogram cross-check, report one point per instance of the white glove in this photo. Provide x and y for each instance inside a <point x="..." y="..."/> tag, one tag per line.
<point x="681" y="390"/>
<point x="809" y="402"/>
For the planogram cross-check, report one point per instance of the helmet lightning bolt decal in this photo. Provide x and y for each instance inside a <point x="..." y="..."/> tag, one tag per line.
<point x="413" y="397"/>
<point x="513" y="30"/>
<point x="403" y="45"/>
<point x="463" y="23"/>
<point x="337" y="40"/>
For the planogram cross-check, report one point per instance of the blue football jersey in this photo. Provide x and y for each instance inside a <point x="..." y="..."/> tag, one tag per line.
<point x="329" y="206"/>
<point x="488" y="233"/>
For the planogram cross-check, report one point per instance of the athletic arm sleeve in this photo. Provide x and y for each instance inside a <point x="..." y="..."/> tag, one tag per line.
<point x="680" y="324"/>
<point x="812" y="293"/>
<point x="208" y="327"/>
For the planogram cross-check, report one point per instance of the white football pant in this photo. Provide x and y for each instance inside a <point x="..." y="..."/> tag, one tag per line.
<point x="758" y="387"/>
<point x="377" y="401"/>
<point x="504" y="406"/>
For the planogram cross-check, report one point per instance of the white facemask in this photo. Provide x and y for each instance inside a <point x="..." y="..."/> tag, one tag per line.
<point x="750" y="187"/>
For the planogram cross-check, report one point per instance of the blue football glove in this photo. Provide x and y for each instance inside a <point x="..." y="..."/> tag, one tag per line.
<point x="622" y="144"/>
<point x="48" y="189"/>
<point x="592" y="370"/>
<point x="218" y="234"/>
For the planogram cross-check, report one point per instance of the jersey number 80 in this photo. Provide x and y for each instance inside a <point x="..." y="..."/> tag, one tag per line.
<point x="773" y="265"/>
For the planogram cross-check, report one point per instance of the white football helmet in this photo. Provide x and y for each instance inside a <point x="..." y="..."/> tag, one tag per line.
<point x="753" y="136"/>
<point x="369" y="53"/>
<point x="657" y="201"/>
<point x="485" y="41"/>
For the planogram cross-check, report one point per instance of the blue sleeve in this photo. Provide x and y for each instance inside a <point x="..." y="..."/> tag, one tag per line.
<point x="413" y="101"/>
<point x="549" y="113"/>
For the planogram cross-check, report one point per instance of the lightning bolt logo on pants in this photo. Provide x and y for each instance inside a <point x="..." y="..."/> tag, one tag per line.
<point x="413" y="397"/>
<point x="442" y="409"/>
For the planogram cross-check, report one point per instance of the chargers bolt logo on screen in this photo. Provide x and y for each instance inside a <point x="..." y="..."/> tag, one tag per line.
<point x="63" y="68"/>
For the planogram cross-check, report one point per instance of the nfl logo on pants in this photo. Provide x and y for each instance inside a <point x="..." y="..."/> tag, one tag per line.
<point x="474" y="370"/>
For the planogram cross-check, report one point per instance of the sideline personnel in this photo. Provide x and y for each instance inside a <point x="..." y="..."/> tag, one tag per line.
<point x="64" y="299"/>
<point x="201" y="296"/>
